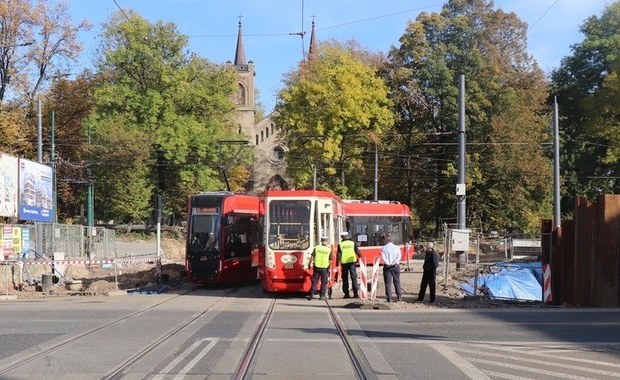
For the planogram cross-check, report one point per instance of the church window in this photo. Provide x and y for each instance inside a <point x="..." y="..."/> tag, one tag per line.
<point x="267" y="132"/>
<point x="240" y="100"/>
<point x="261" y="136"/>
<point x="276" y="155"/>
<point x="256" y="139"/>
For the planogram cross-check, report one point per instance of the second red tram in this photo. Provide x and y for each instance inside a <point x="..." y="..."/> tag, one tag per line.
<point x="223" y="233"/>
<point x="369" y="221"/>
<point x="294" y="222"/>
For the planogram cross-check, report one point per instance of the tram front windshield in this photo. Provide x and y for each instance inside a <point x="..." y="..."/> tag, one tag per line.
<point x="289" y="224"/>
<point x="205" y="232"/>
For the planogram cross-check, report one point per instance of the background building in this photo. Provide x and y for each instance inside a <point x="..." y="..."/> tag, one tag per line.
<point x="269" y="171"/>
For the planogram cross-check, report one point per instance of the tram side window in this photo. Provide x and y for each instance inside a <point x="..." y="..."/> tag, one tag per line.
<point x="239" y="242"/>
<point x="361" y="235"/>
<point x="325" y="226"/>
<point x="395" y="233"/>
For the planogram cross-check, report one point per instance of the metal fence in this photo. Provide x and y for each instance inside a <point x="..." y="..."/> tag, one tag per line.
<point x="44" y="239"/>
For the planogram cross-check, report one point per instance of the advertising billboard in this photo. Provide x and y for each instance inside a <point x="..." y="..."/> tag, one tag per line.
<point x="35" y="191"/>
<point x="8" y="185"/>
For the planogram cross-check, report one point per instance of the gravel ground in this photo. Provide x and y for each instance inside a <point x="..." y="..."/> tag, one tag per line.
<point x="98" y="281"/>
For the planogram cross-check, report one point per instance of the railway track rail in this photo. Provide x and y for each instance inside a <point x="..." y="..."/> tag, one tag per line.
<point x="116" y="372"/>
<point x="361" y="366"/>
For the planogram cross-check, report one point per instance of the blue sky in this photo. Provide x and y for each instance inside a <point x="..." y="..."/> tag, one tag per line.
<point x="212" y="26"/>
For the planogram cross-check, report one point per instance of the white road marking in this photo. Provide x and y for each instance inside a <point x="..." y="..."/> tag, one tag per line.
<point x="185" y="354"/>
<point x="537" y="371"/>
<point x="552" y="353"/>
<point x="542" y="362"/>
<point x="195" y="360"/>
<point x="468" y="369"/>
<point x="500" y="375"/>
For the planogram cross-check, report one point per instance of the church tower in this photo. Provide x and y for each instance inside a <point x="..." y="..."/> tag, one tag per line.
<point x="269" y="170"/>
<point x="245" y="98"/>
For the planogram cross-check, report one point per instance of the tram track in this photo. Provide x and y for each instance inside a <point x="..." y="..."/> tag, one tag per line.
<point x="363" y="369"/>
<point x="23" y="361"/>
<point x="361" y="366"/>
<point x="118" y="372"/>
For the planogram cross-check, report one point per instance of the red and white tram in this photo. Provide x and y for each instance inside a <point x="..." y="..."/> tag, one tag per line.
<point x="294" y="221"/>
<point x="369" y="221"/>
<point x="223" y="234"/>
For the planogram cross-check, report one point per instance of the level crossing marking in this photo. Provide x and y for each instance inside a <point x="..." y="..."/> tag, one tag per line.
<point x="542" y="362"/>
<point x="501" y="375"/>
<point x="185" y="354"/>
<point x="468" y="369"/>
<point x="538" y="371"/>
<point x="552" y="353"/>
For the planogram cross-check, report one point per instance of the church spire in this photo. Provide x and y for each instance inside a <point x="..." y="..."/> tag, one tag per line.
<point x="240" y="52"/>
<point x="312" y="51"/>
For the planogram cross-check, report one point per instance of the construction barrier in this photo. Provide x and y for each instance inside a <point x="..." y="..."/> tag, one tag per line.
<point x="363" y="281"/>
<point x="375" y="279"/>
<point x="547" y="295"/>
<point x="85" y="262"/>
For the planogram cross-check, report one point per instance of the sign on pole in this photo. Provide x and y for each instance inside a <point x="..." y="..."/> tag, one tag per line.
<point x="460" y="240"/>
<point x="35" y="191"/>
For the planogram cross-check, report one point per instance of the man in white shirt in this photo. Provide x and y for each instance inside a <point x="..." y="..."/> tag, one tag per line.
<point x="391" y="255"/>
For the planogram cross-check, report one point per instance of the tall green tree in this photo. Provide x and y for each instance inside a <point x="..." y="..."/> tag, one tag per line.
<point x="587" y="89"/>
<point x="157" y="119"/>
<point x="330" y="109"/>
<point x="505" y="118"/>
<point x="71" y="101"/>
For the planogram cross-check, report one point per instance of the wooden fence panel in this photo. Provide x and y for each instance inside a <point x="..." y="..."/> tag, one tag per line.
<point x="608" y="251"/>
<point x="583" y="285"/>
<point x="568" y="262"/>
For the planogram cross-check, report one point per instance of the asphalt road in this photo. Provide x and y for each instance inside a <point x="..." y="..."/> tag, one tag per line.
<point x="204" y="334"/>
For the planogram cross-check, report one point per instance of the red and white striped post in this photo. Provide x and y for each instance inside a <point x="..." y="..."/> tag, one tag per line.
<point x="547" y="294"/>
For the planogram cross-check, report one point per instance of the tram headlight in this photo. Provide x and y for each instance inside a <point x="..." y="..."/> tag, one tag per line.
<point x="270" y="260"/>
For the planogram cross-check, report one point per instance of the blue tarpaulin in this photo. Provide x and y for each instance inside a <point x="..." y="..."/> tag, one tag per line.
<point x="515" y="283"/>
<point x="149" y="290"/>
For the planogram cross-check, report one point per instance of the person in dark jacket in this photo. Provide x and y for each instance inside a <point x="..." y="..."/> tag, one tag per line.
<point x="431" y="262"/>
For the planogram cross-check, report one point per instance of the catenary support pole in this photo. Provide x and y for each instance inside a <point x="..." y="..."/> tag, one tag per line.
<point x="557" y="223"/>
<point x="39" y="131"/>
<point x="54" y="179"/>
<point x="376" y="173"/>
<point x="460" y="192"/>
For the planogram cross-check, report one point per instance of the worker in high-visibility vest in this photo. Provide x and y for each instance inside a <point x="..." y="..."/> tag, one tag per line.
<point x="320" y="260"/>
<point x="348" y="253"/>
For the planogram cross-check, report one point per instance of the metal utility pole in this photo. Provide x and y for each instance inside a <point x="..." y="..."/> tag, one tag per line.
<point x="54" y="179"/>
<point x="90" y="209"/>
<point x="557" y="221"/>
<point x="160" y="208"/>
<point x="313" y="176"/>
<point x="39" y="131"/>
<point x="460" y="186"/>
<point x="376" y="173"/>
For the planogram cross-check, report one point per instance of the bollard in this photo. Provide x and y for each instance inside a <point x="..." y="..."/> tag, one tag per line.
<point x="46" y="282"/>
